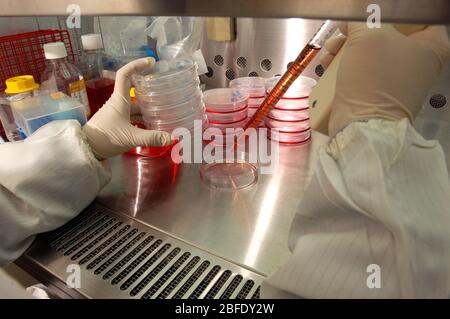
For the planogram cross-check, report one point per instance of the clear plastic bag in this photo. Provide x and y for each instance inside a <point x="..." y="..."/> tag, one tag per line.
<point x="178" y="37"/>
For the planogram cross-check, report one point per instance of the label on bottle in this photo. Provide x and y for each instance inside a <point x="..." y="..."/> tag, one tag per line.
<point x="57" y="95"/>
<point x="77" y="90"/>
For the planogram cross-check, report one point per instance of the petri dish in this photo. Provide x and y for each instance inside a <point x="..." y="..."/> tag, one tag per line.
<point x="285" y="115"/>
<point x="151" y="151"/>
<point x="290" y="138"/>
<point x="173" y="112"/>
<point x="225" y="99"/>
<point x="301" y="88"/>
<point x="255" y="86"/>
<point x="166" y="75"/>
<point x="286" y="125"/>
<point x="228" y="170"/>
<point x="168" y="97"/>
<point x="227" y="118"/>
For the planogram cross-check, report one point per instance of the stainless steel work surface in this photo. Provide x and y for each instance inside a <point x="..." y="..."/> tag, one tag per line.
<point x="248" y="227"/>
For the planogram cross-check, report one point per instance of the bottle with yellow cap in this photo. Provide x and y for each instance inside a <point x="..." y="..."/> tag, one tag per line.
<point x="17" y="88"/>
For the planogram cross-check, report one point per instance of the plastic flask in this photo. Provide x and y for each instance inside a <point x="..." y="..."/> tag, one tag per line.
<point x="60" y="75"/>
<point x="17" y="88"/>
<point x="99" y="88"/>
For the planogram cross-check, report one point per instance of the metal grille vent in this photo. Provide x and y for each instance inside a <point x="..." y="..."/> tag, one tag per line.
<point x="230" y="74"/>
<point x="241" y="62"/>
<point x="253" y="74"/>
<point x="147" y="266"/>
<point x="266" y="65"/>
<point x="437" y="101"/>
<point x="218" y="60"/>
<point x="320" y="70"/>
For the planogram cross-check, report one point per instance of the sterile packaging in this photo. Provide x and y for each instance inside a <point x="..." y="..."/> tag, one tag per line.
<point x="32" y="113"/>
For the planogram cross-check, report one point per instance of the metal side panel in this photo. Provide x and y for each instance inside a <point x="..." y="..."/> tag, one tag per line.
<point x="122" y="258"/>
<point x="420" y="11"/>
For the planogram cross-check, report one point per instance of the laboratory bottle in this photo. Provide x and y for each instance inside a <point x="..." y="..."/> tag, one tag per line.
<point x="17" y="88"/>
<point x="60" y="75"/>
<point x="99" y="87"/>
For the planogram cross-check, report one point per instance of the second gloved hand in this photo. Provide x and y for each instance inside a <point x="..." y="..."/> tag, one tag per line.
<point x="383" y="73"/>
<point x="109" y="132"/>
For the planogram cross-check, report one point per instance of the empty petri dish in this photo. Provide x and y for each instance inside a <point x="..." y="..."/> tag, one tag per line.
<point x="229" y="170"/>
<point x="225" y="100"/>
<point x="255" y="86"/>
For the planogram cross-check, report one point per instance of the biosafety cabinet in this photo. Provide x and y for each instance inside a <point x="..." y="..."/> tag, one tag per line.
<point x="156" y="231"/>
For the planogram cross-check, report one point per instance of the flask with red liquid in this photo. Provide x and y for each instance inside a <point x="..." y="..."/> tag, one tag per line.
<point x="99" y="88"/>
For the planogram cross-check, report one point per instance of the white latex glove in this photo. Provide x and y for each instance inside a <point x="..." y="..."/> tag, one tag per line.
<point x="383" y="73"/>
<point x="109" y="132"/>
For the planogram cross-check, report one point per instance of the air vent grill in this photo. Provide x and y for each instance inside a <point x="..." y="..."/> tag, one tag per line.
<point x="138" y="260"/>
<point x="111" y="249"/>
<point x="205" y="282"/>
<point x="153" y="289"/>
<point x="200" y="270"/>
<point x="218" y="285"/>
<point x="154" y="272"/>
<point x="96" y="241"/>
<point x="245" y="289"/>
<point x="84" y="240"/>
<point x="176" y="281"/>
<point x="231" y="287"/>
<point x="146" y="264"/>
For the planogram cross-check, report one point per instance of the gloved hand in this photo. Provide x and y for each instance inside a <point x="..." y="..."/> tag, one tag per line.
<point x="383" y="73"/>
<point x="109" y="132"/>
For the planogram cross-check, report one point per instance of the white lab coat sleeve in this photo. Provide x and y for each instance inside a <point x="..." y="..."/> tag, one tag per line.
<point x="45" y="181"/>
<point x="374" y="221"/>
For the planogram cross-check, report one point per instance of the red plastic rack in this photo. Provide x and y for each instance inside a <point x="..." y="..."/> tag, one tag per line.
<point x="23" y="53"/>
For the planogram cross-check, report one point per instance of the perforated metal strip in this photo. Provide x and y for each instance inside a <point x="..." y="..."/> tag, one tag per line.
<point x="144" y="265"/>
<point x="99" y="225"/>
<point x="123" y="261"/>
<point x="245" y="289"/>
<point x="192" y="279"/>
<point x="93" y="243"/>
<point x="116" y="245"/>
<point x="137" y="261"/>
<point x="144" y="282"/>
<point x="205" y="282"/>
<point x="177" y="280"/>
<point x="162" y="280"/>
<point x="105" y="244"/>
<point x="231" y="287"/>
<point x="88" y="222"/>
<point x="218" y="284"/>
<point x="103" y="231"/>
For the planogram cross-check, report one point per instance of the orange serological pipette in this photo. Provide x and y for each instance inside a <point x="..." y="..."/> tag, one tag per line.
<point x="298" y="66"/>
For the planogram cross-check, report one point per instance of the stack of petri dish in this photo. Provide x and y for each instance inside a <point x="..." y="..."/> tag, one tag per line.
<point x="288" y="122"/>
<point x="169" y="96"/>
<point x="255" y="87"/>
<point x="226" y="108"/>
